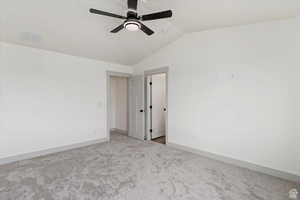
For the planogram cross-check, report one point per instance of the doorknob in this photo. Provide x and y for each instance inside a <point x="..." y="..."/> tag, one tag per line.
<point x="141" y="110"/>
<point x="165" y="109"/>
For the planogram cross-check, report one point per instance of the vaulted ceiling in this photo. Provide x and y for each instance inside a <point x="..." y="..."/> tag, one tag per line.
<point x="66" y="25"/>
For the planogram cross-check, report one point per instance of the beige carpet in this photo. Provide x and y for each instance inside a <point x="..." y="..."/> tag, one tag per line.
<point x="128" y="169"/>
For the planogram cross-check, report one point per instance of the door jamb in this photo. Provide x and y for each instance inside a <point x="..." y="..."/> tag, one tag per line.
<point x="109" y="74"/>
<point x="162" y="70"/>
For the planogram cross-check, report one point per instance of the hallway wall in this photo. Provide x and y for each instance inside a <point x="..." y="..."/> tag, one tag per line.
<point x="119" y="103"/>
<point x="158" y="104"/>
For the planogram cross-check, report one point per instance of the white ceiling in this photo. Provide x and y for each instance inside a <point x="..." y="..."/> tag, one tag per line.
<point x="66" y="25"/>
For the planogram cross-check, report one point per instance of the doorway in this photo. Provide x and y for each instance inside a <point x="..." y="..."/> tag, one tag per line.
<point x="117" y="102"/>
<point x="143" y="122"/>
<point x="156" y="101"/>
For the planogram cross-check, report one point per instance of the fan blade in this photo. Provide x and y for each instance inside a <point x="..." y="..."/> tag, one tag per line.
<point x="118" y="29"/>
<point x="132" y="4"/>
<point x="99" y="12"/>
<point x="158" y="15"/>
<point x="146" y="30"/>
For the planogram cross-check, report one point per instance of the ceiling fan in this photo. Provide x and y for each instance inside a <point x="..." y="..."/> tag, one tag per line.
<point x="133" y="20"/>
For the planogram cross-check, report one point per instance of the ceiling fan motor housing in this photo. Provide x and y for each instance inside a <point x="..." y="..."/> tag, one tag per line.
<point x="132" y="23"/>
<point x="132" y="15"/>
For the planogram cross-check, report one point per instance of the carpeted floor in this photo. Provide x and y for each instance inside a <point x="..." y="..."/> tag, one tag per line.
<point x="128" y="169"/>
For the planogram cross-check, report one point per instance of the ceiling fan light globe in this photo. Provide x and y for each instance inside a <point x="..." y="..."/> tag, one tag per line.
<point x="132" y="26"/>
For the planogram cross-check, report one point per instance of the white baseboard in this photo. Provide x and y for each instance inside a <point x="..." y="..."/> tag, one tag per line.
<point x="243" y="164"/>
<point x="124" y="132"/>
<point x="31" y="155"/>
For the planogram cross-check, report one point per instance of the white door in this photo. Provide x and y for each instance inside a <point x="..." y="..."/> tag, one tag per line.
<point x="136" y="107"/>
<point x="158" y="102"/>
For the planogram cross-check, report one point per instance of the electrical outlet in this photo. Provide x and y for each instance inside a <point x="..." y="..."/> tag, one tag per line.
<point x="293" y="194"/>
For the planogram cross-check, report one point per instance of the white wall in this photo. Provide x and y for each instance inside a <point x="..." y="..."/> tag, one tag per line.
<point x="158" y="103"/>
<point x="49" y="100"/>
<point x="235" y="92"/>
<point x="118" y="104"/>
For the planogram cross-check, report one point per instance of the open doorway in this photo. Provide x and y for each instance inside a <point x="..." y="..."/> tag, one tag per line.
<point x="157" y="107"/>
<point x="118" y="112"/>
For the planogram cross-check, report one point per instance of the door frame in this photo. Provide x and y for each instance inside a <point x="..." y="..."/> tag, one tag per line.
<point x="109" y="74"/>
<point x="147" y="73"/>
